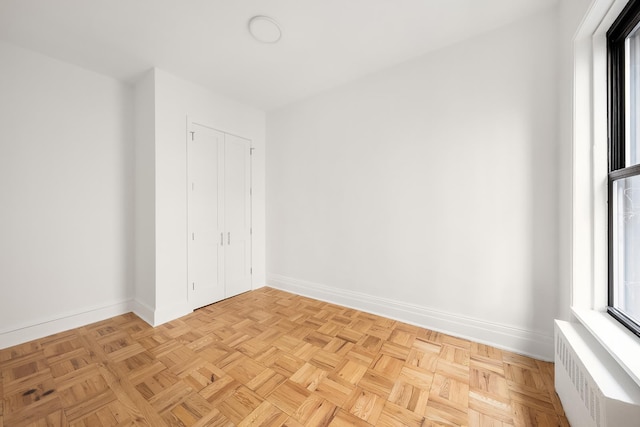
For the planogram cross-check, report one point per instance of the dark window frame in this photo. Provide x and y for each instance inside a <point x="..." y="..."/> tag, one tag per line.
<point x="621" y="28"/>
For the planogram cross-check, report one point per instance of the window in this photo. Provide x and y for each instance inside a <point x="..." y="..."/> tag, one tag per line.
<point x="623" y="60"/>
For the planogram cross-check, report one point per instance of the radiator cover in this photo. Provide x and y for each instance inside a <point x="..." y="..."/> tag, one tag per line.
<point x="594" y="390"/>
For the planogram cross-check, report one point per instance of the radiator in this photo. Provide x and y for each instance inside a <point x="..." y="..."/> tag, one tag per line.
<point x="594" y="390"/>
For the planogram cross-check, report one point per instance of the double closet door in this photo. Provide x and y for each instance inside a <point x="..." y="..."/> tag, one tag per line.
<point x="219" y="215"/>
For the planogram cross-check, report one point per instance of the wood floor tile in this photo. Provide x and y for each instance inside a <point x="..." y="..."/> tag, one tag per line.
<point x="376" y="383"/>
<point x="525" y="416"/>
<point x="388" y="366"/>
<point x="286" y="364"/>
<point x="289" y="396"/>
<point x="547" y="373"/>
<point x="337" y="393"/>
<point x="418" y="377"/>
<point x="371" y="343"/>
<point x="350" y="371"/>
<point x="16" y="352"/>
<point x="410" y="397"/>
<point x="316" y="411"/>
<point x="395" y="415"/>
<point x="203" y="376"/>
<point x="45" y="409"/>
<point x="366" y="405"/>
<point x="448" y="400"/>
<point x="424" y="344"/>
<point x="318" y="339"/>
<point x="89" y="404"/>
<point x="112" y="414"/>
<point x="349" y="335"/>
<point x="424" y="360"/>
<point x="396" y="350"/>
<point x="488" y="381"/>
<point x="346" y="419"/>
<point x="325" y="360"/>
<point x="479" y="419"/>
<point x="240" y="404"/>
<point x="499" y="408"/>
<point x="80" y="385"/>
<point x="193" y="406"/>
<point x="309" y="376"/>
<point x="361" y="355"/>
<point x="338" y="346"/>
<point x="156" y="383"/>
<point x="292" y="422"/>
<point x="23" y="367"/>
<point x="402" y="336"/>
<point x="220" y="389"/>
<point x="64" y="343"/>
<point x="68" y="362"/>
<point x="245" y="370"/>
<point x="270" y="358"/>
<point x="266" y="382"/>
<point x="19" y="395"/>
<point x="266" y="414"/>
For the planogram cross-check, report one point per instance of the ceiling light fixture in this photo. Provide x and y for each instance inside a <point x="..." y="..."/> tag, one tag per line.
<point x="264" y="29"/>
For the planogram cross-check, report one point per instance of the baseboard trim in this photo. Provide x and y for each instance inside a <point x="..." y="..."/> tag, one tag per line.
<point x="143" y="311"/>
<point x="42" y="328"/>
<point x="526" y="342"/>
<point x="167" y="314"/>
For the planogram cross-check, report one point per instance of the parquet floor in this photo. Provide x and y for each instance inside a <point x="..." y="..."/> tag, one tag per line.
<point x="271" y="358"/>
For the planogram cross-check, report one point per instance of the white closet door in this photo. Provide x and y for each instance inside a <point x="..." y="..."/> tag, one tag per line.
<point x="205" y="157"/>
<point x="237" y="213"/>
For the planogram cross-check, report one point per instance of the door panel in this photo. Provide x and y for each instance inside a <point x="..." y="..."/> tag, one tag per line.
<point x="205" y="156"/>
<point x="237" y="213"/>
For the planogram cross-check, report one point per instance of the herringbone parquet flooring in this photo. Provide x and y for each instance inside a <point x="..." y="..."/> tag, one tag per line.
<point x="271" y="358"/>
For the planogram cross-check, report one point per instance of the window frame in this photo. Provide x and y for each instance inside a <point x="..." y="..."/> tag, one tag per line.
<point x="624" y="24"/>
<point x="587" y="206"/>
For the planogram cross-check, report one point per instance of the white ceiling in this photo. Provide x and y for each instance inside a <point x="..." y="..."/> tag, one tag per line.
<point x="324" y="42"/>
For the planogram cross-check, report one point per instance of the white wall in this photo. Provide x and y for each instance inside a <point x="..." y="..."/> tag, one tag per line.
<point x="429" y="192"/>
<point x="145" y="192"/>
<point x="175" y="100"/>
<point x="66" y="199"/>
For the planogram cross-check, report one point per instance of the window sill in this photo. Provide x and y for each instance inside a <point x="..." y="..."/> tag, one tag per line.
<point x="623" y="346"/>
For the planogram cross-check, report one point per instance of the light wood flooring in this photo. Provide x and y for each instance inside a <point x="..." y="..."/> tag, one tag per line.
<point x="271" y="358"/>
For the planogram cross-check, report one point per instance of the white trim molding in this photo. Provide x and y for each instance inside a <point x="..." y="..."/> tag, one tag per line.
<point x="589" y="296"/>
<point x="19" y="334"/>
<point x="167" y="314"/>
<point x="40" y="328"/>
<point x="143" y="311"/>
<point x="158" y="316"/>
<point x="506" y="337"/>
<point x="621" y="344"/>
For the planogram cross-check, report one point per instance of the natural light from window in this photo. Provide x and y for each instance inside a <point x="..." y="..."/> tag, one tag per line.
<point x="623" y="95"/>
<point x="626" y="217"/>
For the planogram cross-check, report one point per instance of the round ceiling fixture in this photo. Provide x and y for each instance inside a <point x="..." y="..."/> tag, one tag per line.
<point x="264" y="29"/>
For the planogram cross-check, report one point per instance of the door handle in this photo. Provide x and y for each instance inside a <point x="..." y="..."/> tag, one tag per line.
<point x="221" y="239"/>
<point x="228" y="238"/>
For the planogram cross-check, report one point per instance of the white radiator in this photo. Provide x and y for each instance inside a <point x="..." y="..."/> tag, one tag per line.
<point x="594" y="390"/>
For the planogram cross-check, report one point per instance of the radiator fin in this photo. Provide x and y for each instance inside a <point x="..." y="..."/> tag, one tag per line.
<point x="594" y="389"/>
<point x="580" y="379"/>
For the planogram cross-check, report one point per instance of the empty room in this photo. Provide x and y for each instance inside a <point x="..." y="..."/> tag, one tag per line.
<point x="320" y="213"/>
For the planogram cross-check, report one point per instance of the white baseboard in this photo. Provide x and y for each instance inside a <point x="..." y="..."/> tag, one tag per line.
<point x="19" y="334"/>
<point x="39" y="328"/>
<point x="158" y="316"/>
<point x="506" y="337"/>
<point x="143" y="311"/>
<point x="167" y="314"/>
